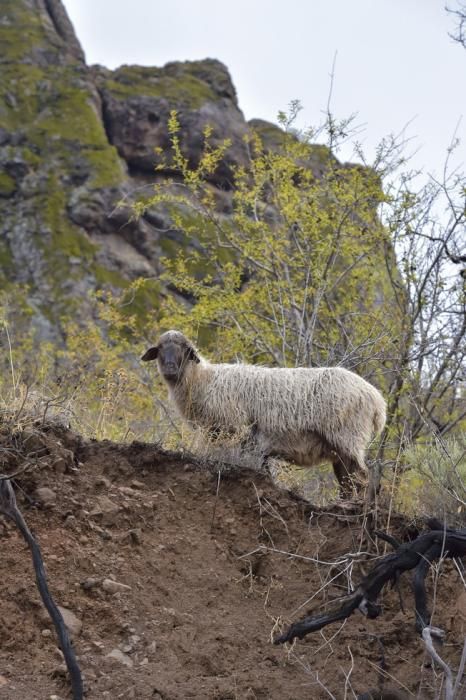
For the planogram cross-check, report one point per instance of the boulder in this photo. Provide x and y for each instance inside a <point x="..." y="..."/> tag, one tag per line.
<point x="137" y="102"/>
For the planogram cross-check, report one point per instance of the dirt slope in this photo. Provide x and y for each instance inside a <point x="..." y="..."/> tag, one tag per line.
<point x="197" y="618"/>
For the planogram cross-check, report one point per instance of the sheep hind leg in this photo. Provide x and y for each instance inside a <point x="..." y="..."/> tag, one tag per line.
<point x="349" y="475"/>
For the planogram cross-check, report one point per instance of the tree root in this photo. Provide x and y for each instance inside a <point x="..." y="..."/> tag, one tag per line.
<point x="9" y="508"/>
<point x="418" y="554"/>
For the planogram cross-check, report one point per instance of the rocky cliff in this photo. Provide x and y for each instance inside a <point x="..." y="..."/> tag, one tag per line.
<point x="76" y="140"/>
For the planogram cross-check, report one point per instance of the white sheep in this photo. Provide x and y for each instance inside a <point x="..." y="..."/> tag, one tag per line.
<point x="303" y="415"/>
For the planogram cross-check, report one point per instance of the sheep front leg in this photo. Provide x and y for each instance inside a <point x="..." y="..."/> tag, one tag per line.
<point x="349" y="475"/>
<point x="273" y="465"/>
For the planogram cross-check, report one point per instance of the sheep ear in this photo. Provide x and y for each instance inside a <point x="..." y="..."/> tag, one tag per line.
<point x="192" y="355"/>
<point x="151" y="354"/>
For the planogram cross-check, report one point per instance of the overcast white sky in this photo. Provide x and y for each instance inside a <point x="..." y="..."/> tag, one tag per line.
<point x="395" y="61"/>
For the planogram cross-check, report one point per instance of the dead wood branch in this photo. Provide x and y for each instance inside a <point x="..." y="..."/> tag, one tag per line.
<point x="418" y="554"/>
<point x="9" y="509"/>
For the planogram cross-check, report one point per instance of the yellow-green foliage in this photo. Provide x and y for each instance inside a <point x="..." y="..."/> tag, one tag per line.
<point x="96" y="379"/>
<point x="296" y="275"/>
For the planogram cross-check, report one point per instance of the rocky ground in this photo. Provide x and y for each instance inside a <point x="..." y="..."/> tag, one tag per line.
<point x="173" y="591"/>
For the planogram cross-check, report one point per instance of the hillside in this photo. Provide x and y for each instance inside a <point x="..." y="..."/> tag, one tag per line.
<point x="210" y="580"/>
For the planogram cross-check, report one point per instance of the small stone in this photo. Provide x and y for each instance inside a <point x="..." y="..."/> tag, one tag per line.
<point x="90" y="583"/>
<point x="72" y="623"/>
<point x="46" y="633"/>
<point x="106" y="510"/>
<point x="60" y="671"/>
<point x="103" y="481"/>
<point x="104" y="534"/>
<point x="144" y="661"/>
<point x="3" y="681"/>
<point x="127" y="491"/>
<point x="60" y="465"/>
<point x="46" y="496"/>
<point x="134" y="536"/>
<point x="137" y="484"/>
<point x="114" y="586"/>
<point x="118" y="655"/>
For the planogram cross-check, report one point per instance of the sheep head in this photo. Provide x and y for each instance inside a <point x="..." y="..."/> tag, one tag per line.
<point x="172" y="352"/>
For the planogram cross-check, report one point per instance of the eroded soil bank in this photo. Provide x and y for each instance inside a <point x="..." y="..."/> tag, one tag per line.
<point x="211" y="579"/>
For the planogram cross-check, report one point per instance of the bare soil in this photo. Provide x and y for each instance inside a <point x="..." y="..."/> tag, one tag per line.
<point x="213" y="577"/>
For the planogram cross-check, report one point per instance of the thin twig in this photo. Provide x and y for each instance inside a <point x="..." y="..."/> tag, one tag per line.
<point x="427" y="633"/>
<point x="460" y="674"/>
<point x="219" y="476"/>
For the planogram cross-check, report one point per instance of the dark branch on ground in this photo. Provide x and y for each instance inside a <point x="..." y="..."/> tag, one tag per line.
<point x="419" y="554"/>
<point x="9" y="509"/>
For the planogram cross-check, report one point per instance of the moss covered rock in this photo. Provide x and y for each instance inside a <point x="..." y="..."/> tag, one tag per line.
<point x="74" y="142"/>
<point x="137" y="103"/>
<point x="54" y="147"/>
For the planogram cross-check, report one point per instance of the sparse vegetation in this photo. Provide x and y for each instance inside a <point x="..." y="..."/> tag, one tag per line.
<point x="302" y="273"/>
<point x="433" y="480"/>
<point x="266" y="249"/>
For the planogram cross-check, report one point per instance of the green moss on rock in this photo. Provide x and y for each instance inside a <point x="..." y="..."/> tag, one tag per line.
<point x="67" y="239"/>
<point x="55" y="108"/>
<point x="106" y="167"/>
<point x="21" y="31"/>
<point x="6" y="260"/>
<point x="7" y="185"/>
<point x="109" y="278"/>
<point x="181" y="89"/>
<point x="20" y="87"/>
